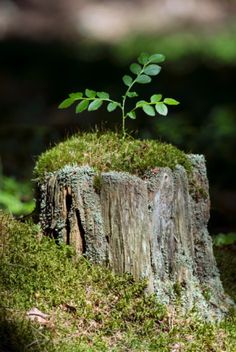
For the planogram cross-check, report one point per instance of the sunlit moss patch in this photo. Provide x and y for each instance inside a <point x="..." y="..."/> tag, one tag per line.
<point x="108" y="151"/>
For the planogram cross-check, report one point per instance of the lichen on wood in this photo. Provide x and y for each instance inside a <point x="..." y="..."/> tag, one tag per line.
<point x="154" y="227"/>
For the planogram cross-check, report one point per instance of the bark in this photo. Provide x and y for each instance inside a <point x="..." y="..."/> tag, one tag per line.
<point x="154" y="228"/>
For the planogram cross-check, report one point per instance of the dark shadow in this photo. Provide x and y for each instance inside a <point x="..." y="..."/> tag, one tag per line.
<point x="226" y="262"/>
<point x="20" y="335"/>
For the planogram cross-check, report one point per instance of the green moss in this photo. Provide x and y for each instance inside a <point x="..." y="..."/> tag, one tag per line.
<point x="108" y="151"/>
<point x="97" y="183"/>
<point x="196" y="191"/>
<point x="206" y="293"/>
<point x="90" y="308"/>
<point x="85" y="302"/>
<point x="178" y="289"/>
<point x="203" y="194"/>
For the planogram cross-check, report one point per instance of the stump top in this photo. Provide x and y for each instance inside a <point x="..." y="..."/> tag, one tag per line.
<point x="109" y="152"/>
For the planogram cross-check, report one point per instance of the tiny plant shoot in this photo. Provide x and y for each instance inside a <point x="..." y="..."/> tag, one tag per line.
<point x="143" y="70"/>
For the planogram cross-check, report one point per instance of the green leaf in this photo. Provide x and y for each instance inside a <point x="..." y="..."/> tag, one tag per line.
<point x="143" y="79"/>
<point x="132" y="115"/>
<point x="127" y="80"/>
<point x="132" y="94"/>
<point x="90" y="93"/>
<point x="156" y="98"/>
<point x="76" y="96"/>
<point x="135" y="68"/>
<point x="111" y="106"/>
<point x="152" y="70"/>
<point x="103" y="95"/>
<point x="149" y="110"/>
<point x="66" y="103"/>
<point x="156" y="58"/>
<point x="82" y="106"/>
<point x="143" y="58"/>
<point x="140" y="103"/>
<point x="95" y="104"/>
<point x="171" y="101"/>
<point x="161" y="108"/>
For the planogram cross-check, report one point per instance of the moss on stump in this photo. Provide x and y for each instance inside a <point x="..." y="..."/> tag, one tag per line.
<point x="136" y="207"/>
<point x="108" y="151"/>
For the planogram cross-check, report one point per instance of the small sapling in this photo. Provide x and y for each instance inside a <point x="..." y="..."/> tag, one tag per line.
<point x="143" y="71"/>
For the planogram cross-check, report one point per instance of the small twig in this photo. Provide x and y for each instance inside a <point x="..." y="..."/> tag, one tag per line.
<point x="32" y="343"/>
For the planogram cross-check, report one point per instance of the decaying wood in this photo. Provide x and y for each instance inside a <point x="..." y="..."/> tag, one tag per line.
<point x="154" y="228"/>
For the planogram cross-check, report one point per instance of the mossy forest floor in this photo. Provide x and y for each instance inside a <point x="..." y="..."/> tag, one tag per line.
<point x="88" y="307"/>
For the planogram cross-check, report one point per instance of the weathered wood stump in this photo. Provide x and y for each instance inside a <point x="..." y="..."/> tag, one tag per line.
<point x="154" y="228"/>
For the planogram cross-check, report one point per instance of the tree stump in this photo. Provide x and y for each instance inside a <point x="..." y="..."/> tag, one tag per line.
<point x="153" y="228"/>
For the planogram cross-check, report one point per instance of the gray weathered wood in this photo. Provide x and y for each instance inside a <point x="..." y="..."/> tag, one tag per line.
<point x="154" y="228"/>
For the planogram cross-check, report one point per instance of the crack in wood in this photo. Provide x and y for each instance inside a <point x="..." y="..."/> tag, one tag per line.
<point x="68" y="201"/>
<point x="81" y="231"/>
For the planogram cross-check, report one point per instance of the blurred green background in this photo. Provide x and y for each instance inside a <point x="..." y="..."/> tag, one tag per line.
<point x="49" y="49"/>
